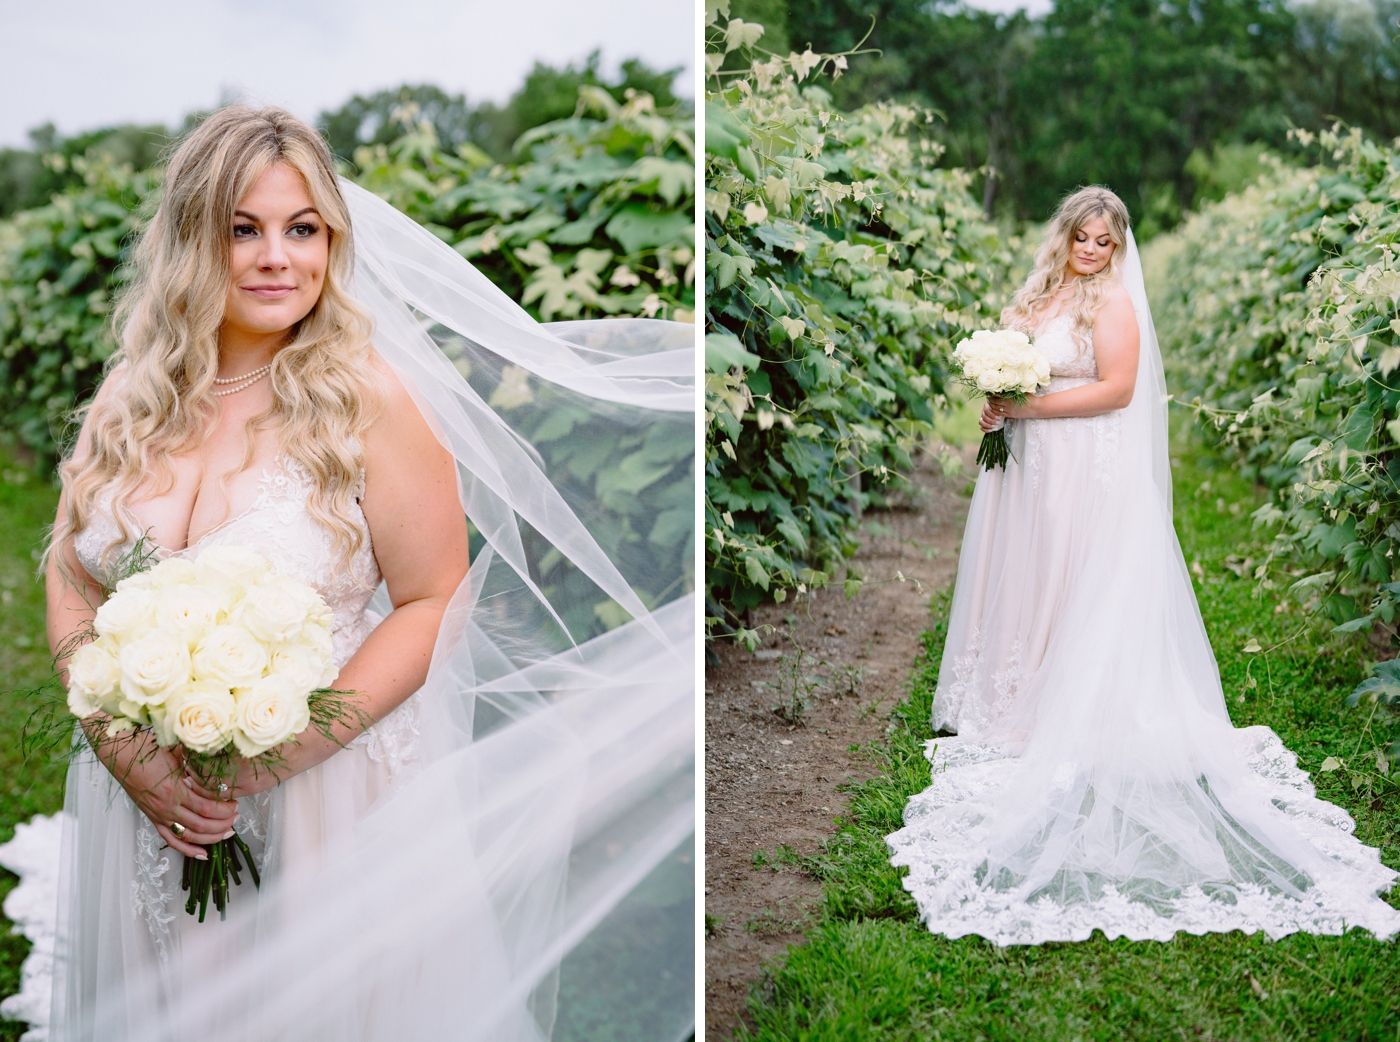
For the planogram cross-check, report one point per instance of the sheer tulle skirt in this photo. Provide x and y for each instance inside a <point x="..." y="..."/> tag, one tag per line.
<point x="1095" y="780"/>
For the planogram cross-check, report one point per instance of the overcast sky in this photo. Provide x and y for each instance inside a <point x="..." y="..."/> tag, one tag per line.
<point x="89" y="63"/>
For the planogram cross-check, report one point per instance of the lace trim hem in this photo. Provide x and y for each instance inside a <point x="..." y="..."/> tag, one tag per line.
<point x="943" y="846"/>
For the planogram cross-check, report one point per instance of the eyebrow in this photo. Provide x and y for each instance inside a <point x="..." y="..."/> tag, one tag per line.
<point x="255" y="217"/>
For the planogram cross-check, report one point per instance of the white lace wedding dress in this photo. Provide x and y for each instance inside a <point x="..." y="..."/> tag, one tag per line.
<point x="123" y="907"/>
<point x="1095" y="780"/>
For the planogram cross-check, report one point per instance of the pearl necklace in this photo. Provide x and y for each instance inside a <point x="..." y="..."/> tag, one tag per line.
<point x="242" y="382"/>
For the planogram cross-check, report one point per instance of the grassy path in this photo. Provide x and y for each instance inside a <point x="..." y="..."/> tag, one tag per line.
<point x="26" y="788"/>
<point x="869" y="970"/>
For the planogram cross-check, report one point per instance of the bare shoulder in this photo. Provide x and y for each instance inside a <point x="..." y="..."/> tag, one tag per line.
<point x="400" y="431"/>
<point x="1117" y="298"/>
<point x="1117" y="308"/>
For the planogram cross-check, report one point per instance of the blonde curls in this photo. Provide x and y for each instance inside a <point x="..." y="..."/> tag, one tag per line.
<point x="1048" y="275"/>
<point x="325" y="387"/>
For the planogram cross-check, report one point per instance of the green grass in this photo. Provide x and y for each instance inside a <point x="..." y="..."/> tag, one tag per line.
<point x="30" y="787"/>
<point x="869" y="970"/>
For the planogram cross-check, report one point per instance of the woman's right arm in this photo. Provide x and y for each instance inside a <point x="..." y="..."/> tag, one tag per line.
<point x="151" y="776"/>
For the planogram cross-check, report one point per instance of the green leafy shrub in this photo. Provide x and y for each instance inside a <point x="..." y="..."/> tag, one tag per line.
<point x="596" y="217"/>
<point x="1277" y="309"/>
<point x="59" y="266"/>
<point x="841" y="266"/>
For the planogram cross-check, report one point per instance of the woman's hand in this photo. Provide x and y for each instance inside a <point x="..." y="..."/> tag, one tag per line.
<point x="998" y="409"/>
<point x="154" y="778"/>
<point x="252" y="778"/>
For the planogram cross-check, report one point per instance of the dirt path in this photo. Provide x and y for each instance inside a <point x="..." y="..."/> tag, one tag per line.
<point x="770" y="783"/>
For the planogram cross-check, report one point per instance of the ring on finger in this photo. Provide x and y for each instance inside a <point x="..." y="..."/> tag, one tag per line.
<point x="177" y="829"/>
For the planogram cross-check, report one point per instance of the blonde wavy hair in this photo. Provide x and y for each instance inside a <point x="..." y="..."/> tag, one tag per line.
<point x="158" y="402"/>
<point x="1047" y="277"/>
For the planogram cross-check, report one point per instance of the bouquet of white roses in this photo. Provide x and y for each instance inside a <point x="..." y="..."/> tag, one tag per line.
<point x="1005" y="364"/>
<point x="221" y="656"/>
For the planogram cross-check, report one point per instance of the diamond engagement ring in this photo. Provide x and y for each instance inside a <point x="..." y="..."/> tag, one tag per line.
<point x="178" y="829"/>
<point x="223" y="788"/>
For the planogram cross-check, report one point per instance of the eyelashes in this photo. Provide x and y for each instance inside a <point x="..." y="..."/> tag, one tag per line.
<point x="300" y="230"/>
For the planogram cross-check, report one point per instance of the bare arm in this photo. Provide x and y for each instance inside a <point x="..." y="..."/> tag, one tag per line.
<point x="1116" y="350"/>
<point x="420" y="541"/>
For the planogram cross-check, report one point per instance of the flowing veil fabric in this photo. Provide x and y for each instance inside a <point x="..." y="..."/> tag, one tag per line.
<point x="557" y="723"/>
<point x="1111" y="790"/>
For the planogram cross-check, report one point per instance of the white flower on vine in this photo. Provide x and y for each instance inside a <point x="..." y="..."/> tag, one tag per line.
<point x="803" y="63"/>
<point x="624" y="277"/>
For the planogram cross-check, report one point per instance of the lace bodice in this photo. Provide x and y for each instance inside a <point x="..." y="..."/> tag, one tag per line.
<point x="277" y="525"/>
<point x="1069" y="365"/>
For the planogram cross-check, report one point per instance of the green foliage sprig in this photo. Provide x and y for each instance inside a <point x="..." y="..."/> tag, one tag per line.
<point x="841" y="265"/>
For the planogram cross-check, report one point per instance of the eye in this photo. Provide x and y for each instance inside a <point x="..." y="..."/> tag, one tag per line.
<point x="303" y="230"/>
<point x="244" y="231"/>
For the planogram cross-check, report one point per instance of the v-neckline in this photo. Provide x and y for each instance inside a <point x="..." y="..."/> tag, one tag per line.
<point x="167" y="552"/>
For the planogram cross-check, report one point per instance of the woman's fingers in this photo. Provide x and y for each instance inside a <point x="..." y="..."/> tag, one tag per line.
<point x="207" y="804"/>
<point x="183" y="846"/>
<point x="215" y="827"/>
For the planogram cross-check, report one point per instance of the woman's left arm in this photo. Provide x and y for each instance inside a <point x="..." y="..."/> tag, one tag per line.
<point x="420" y="541"/>
<point x="1116" y="353"/>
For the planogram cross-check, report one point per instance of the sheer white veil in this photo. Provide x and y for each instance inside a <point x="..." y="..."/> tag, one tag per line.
<point x="555" y="811"/>
<point x="1150" y="394"/>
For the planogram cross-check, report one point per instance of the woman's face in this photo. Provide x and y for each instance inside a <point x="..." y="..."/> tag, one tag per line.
<point x="277" y="263"/>
<point x="1090" y="248"/>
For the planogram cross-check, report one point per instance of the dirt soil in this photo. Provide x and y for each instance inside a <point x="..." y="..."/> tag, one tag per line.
<point x="769" y="782"/>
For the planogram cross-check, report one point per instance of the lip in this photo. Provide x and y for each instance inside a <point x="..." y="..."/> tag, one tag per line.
<point x="272" y="292"/>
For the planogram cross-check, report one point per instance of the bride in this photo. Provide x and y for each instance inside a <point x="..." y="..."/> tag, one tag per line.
<point x="1095" y="780"/>
<point x="277" y="390"/>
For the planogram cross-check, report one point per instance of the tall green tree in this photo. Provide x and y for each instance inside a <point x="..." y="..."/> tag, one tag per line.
<point x="548" y="94"/>
<point x="1118" y="92"/>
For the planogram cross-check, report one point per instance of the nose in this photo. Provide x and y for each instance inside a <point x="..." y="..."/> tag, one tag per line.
<point x="273" y="256"/>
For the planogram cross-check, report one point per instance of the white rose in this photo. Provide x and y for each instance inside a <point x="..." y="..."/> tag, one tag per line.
<point x="169" y="572"/>
<point x="1042" y="369"/>
<point x="93" y="675"/>
<point x="229" y="655"/>
<point x="269" y="712"/>
<point x="318" y="639"/>
<point x="233" y="563"/>
<point x="200" y="716"/>
<point x="272" y="612"/>
<point x="303" y="665"/>
<point x="989" y="382"/>
<point x="152" y="666"/>
<point x="191" y="611"/>
<point x="125" y="614"/>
